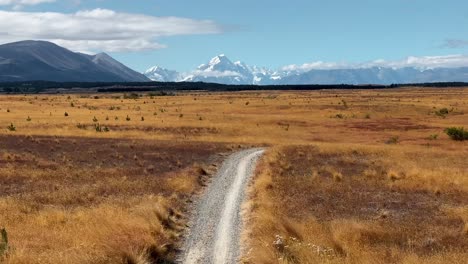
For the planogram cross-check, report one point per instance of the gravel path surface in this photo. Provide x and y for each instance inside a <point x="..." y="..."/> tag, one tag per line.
<point x="214" y="236"/>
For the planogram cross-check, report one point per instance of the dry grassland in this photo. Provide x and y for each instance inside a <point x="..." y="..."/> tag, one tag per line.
<point x="349" y="177"/>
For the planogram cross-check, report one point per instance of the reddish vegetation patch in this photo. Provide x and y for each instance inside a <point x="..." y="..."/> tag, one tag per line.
<point x="397" y="124"/>
<point x="86" y="165"/>
<point x="409" y="215"/>
<point x="184" y="130"/>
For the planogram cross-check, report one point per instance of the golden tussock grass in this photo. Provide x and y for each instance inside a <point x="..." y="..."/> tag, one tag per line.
<point x="372" y="212"/>
<point x="78" y="204"/>
<point x="350" y="176"/>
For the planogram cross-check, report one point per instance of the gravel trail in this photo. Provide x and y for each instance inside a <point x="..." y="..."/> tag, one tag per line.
<point x="214" y="236"/>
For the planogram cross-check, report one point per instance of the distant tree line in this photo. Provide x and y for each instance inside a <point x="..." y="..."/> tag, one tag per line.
<point x="103" y="87"/>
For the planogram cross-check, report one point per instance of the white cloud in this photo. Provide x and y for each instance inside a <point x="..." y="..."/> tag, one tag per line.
<point x="426" y="62"/>
<point x="216" y="74"/>
<point x="18" y="4"/>
<point x="99" y="29"/>
<point x="24" y="2"/>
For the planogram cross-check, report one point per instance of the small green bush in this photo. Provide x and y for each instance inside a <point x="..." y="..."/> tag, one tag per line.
<point x="11" y="127"/>
<point x="457" y="133"/>
<point x="99" y="128"/>
<point x="443" y="112"/>
<point x="393" y="140"/>
<point x="3" y="242"/>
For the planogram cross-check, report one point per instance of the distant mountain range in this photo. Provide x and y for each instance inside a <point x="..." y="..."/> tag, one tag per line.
<point x="45" y="61"/>
<point x="222" y="70"/>
<point x="41" y="60"/>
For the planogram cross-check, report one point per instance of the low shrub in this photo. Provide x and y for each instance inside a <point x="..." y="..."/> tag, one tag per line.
<point x="3" y="242"/>
<point x="11" y="127"/>
<point x="393" y="140"/>
<point x="443" y="112"/>
<point x="457" y="133"/>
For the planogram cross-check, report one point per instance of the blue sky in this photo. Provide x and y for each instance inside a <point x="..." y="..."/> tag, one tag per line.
<point x="273" y="33"/>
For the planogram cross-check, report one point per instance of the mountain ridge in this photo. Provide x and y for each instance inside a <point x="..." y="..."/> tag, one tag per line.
<point x="41" y="60"/>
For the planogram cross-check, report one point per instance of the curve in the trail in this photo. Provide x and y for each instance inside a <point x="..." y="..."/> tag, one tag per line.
<point x="215" y="234"/>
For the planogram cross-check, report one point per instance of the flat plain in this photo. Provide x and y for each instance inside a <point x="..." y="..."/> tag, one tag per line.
<point x="349" y="176"/>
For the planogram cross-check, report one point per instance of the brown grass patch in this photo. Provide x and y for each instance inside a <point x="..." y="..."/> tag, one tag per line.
<point x="349" y="204"/>
<point x="95" y="200"/>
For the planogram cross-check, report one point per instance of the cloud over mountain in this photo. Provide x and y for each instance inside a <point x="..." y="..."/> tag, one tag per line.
<point x="425" y="62"/>
<point x="98" y="29"/>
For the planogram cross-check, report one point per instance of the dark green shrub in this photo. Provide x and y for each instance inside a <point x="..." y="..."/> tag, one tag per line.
<point x="3" y="242"/>
<point x="443" y="112"/>
<point x="457" y="133"/>
<point x="11" y="127"/>
<point x="393" y="140"/>
<point x="100" y="128"/>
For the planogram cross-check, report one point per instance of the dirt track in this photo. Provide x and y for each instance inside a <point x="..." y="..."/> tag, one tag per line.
<point x="215" y="233"/>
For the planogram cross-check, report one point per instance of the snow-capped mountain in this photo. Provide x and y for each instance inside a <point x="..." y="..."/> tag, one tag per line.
<point x="222" y="70"/>
<point x="160" y="74"/>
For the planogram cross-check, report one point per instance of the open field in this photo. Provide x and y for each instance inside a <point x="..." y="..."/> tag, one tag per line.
<point x="350" y="176"/>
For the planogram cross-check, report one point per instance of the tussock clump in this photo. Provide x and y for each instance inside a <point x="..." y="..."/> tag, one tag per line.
<point x="395" y="175"/>
<point x="337" y="176"/>
<point x="351" y="236"/>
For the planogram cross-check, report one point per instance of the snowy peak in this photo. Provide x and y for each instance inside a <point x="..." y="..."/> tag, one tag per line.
<point x="221" y="69"/>
<point x="160" y="74"/>
<point x="219" y="59"/>
<point x="220" y="63"/>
